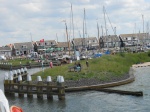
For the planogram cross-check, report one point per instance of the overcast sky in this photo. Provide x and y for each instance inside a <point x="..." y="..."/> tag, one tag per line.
<point x="22" y="19"/>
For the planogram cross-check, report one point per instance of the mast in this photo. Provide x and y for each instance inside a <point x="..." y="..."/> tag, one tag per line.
<point x="143" y="22"/>
<point x="84" y="29"/>
<point x="102" y="30"/>
<point x="115" y="36"/>
<point x="31" y="41"/>
<point x="67" y="38"/>
<point x="72" y="20"/>
<point x="98" y="36"/>
<point x="56" y="37"/>
<point x="105" y="25"/>
<point x="143" y="30"/>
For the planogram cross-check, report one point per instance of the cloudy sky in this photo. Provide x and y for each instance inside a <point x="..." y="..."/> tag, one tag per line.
<point x="23" y="20"/>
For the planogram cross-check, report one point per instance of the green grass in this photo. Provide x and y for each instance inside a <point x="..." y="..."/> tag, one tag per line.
<point x="103" y="68"/>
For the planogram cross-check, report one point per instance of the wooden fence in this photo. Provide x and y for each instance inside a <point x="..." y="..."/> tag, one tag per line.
<point x="21" y="83"/>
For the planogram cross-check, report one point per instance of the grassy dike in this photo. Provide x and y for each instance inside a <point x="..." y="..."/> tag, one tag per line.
<point x="104" y="68"/>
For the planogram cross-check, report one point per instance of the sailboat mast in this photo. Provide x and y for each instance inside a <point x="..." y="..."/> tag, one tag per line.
<point x="31" y="36"/>
<point x="105" y="25"/>
<point x="98" y="36"/>
<point x="67" y="38"/>
<point x="143" y="22"/>
<point x="72" y="20"/>
<point x="83" y="40"/>
<point x="56" y="37"/>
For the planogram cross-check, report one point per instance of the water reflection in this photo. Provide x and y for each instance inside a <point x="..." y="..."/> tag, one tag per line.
<point x="92" y="101"/>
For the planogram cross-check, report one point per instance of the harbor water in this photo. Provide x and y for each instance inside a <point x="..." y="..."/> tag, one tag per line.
<point x="91" y="101"/>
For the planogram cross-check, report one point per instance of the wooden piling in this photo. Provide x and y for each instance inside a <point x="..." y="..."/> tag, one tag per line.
<point x="29" y="88"/>
<point x="6" y="86"/>
<point x="15" y="76"/>
<point x="20" y="87"/>
<point x="11" y="87"/>
<point x="61" y="88"/>
<point x="49" y="89"/>
<point x="39" y="87"/>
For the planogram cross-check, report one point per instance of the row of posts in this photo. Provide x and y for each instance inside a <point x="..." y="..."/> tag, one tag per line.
<point x="13" y="75"/>
<point x="5" y="65"/>
<point x="13" y="83"/>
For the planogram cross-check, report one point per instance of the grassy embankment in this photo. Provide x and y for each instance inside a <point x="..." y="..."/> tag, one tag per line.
<point x="103" y="68"/>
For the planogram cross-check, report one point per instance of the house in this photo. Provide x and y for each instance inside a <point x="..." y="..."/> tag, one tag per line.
<point x="45" y="44"/>
<point x="6" y="50"/>
<point x="109" y="41"/>
<point x="64" y="45"/>
<point x="135" y="39"/>
<point x="24" y="48"/>
<point x="90" y="42"/>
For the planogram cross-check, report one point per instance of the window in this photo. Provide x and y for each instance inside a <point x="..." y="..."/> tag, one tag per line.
<point x="39" y="44"/>
<point x="24" y="46"/>
<point x="45" y="43"/>
<point x="51" y="43"/>
<point x="94" y="41"/>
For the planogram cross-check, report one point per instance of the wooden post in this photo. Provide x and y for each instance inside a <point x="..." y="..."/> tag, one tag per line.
<point x="61" y="87"/>
<point x="6" y="83"/>
<point x="11" y="87"/>
<point x="29" y="88"/>
<point x="22" y="73"/>
<point x="49" y="89"/>
<point x="20" y="87"/>
<point x="25" y="72"/>
<point x="15" y="76"/>
<point x="39" y="87"/>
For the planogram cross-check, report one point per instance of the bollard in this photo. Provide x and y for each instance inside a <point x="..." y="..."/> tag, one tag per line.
<point x="29" y="88"/>
<point x="25" y="69"/>
<point x="18" y="72"/>
<point x="15" y="76"/>
<point x="11" y="87"/>
<point x="15" y="73"/>
<point x="49" y="89"/>
<point x="11" y="74"/>
<point x="20" y="87"/>
<point x="61" y="88"/>
<point x="39" y="87"/>
<point x="23" y="74"/>
<point x="6" y="83"/>
<point x="22" y="70"/>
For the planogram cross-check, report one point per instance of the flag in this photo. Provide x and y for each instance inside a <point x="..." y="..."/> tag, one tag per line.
<point x="42" y="40"/>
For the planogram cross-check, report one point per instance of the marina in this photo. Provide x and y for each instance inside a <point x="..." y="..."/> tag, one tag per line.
<point x="99" y="101"/>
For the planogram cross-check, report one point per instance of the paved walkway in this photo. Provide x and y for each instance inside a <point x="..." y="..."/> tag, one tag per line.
<point x="141" y="65"/>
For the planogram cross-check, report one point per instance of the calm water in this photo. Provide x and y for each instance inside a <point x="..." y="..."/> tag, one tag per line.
<point x="92" y="101"/>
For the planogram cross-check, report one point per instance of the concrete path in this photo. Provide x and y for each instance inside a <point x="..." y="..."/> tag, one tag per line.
<point x="141" y="65"/>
